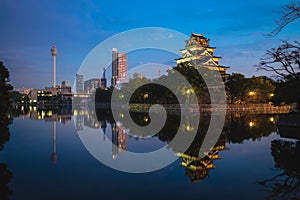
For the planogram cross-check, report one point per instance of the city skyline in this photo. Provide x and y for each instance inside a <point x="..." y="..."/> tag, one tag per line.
<point x="238" y="29"/>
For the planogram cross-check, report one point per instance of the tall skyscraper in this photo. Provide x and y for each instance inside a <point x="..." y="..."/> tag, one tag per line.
<point x="119" y="67"/>
<point x="114" y="67"/>
<point x="103" y="84"/>
<point x="53" y="53"/>
<point x="79" y="83"/>
<point x="91" y="85"/>
<point x="65" y="83"/>
<point x="122" y="68"/>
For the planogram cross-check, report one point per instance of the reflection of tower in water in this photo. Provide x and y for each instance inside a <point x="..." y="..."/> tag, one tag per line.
<point x="54" y="155"/>
<point x="119" y="139"/>
<point x="103" y="127"/>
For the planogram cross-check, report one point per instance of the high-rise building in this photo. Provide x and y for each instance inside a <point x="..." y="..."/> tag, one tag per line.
<point x="138" y="75"/>
<point x="65" y="83"/>
<point x="79" y="83"/>
<point x="122" y="68"/>
<point x="119" y="67"/>
<point x="103" y="82"/>
<point x="91" y="85"/>
<point x="114" y="67"/>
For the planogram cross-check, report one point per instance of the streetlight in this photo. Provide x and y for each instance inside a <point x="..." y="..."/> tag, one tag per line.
<point x="251" y="93"/>
<point x="251" y="124"/>
<point x="188" y="92"/>
<point x="146" y="95"/>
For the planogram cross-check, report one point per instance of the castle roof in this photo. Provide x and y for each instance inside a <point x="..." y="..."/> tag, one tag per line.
<point x="199" y="36"/>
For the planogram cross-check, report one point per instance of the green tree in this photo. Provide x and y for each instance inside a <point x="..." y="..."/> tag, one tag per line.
<point x="5" y="87"/>
<point x="5" y="177"/>
<point x="259" y="90"/>
<point x="287" y="91"/>
<point x="237" y="87"/>
<point x="249" y="90"/>
<point x="196" y="81"/>
<point x="5" y="120"/>
<point x="103" y="95"/>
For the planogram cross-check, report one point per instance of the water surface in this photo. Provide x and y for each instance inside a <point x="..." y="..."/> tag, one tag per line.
<point x="44" y="158"/>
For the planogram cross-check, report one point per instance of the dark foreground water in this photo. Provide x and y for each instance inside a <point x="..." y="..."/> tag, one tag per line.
<point x="44" y="158"/>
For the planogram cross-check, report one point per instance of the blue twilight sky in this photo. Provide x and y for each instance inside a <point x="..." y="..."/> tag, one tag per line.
<point x="30" y="27"/>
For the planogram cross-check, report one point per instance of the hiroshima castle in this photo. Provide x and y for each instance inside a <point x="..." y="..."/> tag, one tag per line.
<point x="198" y="53"/>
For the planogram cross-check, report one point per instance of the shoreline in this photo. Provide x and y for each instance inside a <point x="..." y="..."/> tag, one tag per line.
<point x="191" y="108"/>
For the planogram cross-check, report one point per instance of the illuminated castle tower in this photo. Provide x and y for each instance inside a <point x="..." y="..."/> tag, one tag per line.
<point x="53" y="53"/>
<point x="198" y="53"/>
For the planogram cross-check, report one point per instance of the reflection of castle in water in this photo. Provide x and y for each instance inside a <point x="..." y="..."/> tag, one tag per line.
<point x="198" y="168"/>
<point x="237" y="129"/>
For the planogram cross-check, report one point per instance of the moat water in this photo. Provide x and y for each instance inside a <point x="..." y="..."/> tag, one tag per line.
<point x="45" y="158"/>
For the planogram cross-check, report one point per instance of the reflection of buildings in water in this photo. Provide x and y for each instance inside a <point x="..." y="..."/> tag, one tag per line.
<point x="86" y="118"/>
<point x="89" y="118"/>
<point x="198" y="168"/>
<point x="91" y="121"/>
<point x="79" y="116"/>
<point x="103" y="126"/>
<point x="119" y="139"/>
<point x="79" y="122"/>
<point x="62" y="115"/>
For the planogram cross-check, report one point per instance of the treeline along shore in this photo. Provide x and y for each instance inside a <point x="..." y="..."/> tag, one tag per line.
<point x="204" y="108"/>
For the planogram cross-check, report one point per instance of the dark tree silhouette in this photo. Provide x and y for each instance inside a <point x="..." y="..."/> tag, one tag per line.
<point x="5" y="177"/>
<point x="4" y="105"/>
<point x="284" y="60"/>
<point x="285" y="185"/>
<point x="290" y="13"/>
<point x="5" y="120"/>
